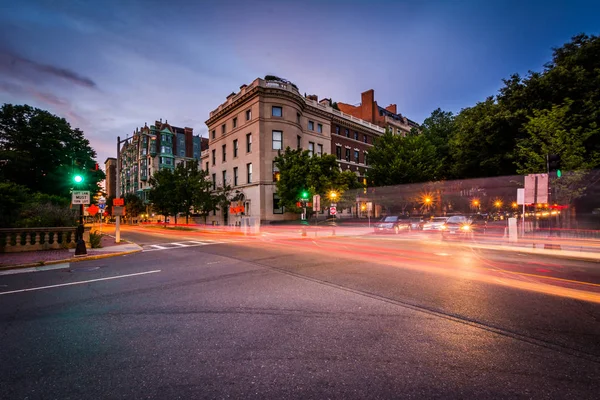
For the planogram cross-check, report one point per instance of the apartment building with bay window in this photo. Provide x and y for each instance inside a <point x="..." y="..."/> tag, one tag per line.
<point x="152" y="148"/>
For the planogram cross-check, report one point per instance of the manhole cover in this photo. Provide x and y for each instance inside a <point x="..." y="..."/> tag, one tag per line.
<point x="84" y="269"/>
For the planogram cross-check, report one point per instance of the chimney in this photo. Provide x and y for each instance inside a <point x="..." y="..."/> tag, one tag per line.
<point x="368" y="105"/>
<point x="392" y="108"/>
<point x="326" y="102"/>
<point x="313" y="97"/>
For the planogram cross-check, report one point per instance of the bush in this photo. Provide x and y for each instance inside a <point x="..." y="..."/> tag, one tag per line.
<point x="36" y="215"/>
<point x="95" y="240"/>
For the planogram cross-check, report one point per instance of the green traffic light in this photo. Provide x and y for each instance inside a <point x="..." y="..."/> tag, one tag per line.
<point x="558" y="173"/>
<point x="78" y="178"/>
<point x="305" y="195"/>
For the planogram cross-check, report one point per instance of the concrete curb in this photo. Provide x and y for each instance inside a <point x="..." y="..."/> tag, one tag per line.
<point x="69" y="260"/>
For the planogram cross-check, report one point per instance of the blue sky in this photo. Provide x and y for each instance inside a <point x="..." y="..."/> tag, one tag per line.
<point x="109" y="66"/>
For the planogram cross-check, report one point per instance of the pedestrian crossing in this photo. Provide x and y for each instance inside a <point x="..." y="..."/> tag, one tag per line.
<point x="178" y="245"/>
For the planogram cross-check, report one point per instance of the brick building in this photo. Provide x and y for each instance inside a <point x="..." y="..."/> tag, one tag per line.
<point x="387" y="117"/>
<point x="110" y="167"/>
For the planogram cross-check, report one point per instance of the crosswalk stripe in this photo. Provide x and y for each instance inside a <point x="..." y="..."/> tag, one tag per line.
<point x="156" y="246"/>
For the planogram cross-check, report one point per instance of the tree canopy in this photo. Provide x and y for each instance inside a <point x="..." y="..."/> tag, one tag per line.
<point x="43" y="152"/>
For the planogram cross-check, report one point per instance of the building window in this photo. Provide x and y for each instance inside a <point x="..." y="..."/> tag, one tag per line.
<point x="214" y="133"/>
<point x="337" y="129"/>
<point x="277" y="140"/>
<point x="214" y="180"/>
<point x="235" y="176"/>
<point x="182" y="153"/>
<point x="224" y="153"/>
<point x="298" y="118"/>
<point x="311" y="148"/>
<point x="224" y="178"/>
<point x="235" y="148"/>
<point x="365" y="158"/>
<point x="248" y="143"/>
<point x="235" y="122"/>
<point x="223" y="129"/>
<point x="319" y="128"/>
<point x="249" y="172"/>
<point x="207" y="166"/>
<point x="248" y="115"/>
<point x="347" y="132"/>
<point x="276" y="111"/>
<point x="356" y="156"/>
<point x="214" y="157"/>
<point x="319" y="150"/>
<point x="366" y="139"/>
<point x="277" y="207"/>
<point x="347" y="154"/>
<point x="299" y="141"/>
<point x="311" y="126"/>
<point x="355" y="135"/>
<point x="338" y="152"/>
<point x="276" y="174"/>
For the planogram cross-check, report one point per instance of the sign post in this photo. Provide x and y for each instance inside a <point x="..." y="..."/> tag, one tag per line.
<point x="101" y="206"/>
<point x="521" y="201"/>
<point x="117" y="202"/>
<point x="80" y="197"/>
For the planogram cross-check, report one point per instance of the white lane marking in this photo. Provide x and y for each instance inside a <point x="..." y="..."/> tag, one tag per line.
<point x="180" y="244"/>
<point x="35" y="269"/>
<point x="80" y="282"/>
<point x="441" y="254"/>
<point x="213" y="262"/>
<point x="158" y="247"/>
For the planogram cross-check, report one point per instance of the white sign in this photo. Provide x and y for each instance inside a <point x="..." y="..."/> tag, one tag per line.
<point x="316" y="202"/>
<point x="101" y="200"/>
<point x="369" y="206"/>
<point x="81" y="197"/>
<point x="332" y="210"/>
<point x="536" y="188"/>
<point x="520" y="196"/>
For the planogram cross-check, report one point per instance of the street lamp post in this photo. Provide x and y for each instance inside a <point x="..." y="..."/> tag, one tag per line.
<point x="118" y="191"/>
<point x="80" y="248"/>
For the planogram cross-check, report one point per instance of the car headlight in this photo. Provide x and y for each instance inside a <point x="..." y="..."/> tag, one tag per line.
<point x="465" y="228"/>
<point x="442" y="227"/>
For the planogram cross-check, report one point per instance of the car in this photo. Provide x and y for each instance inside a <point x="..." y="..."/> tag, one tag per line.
<point x="458" y="226"/>
<point x="435" y="224"/>
<point x="392" y="224"/>
<point x="416" y="223"/>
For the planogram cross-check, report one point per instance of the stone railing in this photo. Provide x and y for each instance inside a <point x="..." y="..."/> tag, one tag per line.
<point x="14" y="240"/>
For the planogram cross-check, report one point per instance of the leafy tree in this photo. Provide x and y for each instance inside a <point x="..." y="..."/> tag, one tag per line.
<point x="396" y="160"/>
<point x="42" y="152"/>
<point x="193" y="189"/>
<point x="162" y="194"/>
<point x="299" y="171"/>
<point x="134" y="206"/>
<point x="438" y="129"/>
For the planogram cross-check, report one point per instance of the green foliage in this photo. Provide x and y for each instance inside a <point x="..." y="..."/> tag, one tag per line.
<point x="299" y="172"/>
<point x="42" y="152"/>
<point x="396" y="160"/>
<point x="185" y="189"/>
<point x="134" y="205"/>
<point x="95" y="240"/>
<point x="20" y="208"/>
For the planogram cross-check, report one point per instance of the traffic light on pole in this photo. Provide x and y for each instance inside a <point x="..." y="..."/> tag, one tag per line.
<point x="78" y="178"/>
<point x="554" y="164"/>
<point x="304" y="195"/>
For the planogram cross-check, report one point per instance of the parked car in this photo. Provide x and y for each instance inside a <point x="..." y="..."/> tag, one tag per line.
<point x="392" y="224"/>
<point x="435" y="224"/>
<point x="416" y="223"/>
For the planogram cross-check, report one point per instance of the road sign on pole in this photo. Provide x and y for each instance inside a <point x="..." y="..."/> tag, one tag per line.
<point x="536" y="188"/>
<point x="316" y="202"/>
<point x="80" y="197"/>
<point x="333" y="210"/>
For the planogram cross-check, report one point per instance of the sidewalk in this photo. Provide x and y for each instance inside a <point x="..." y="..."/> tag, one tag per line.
<point x="36" y="258"/>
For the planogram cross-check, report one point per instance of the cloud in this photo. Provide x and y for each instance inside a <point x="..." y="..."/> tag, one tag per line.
<point x="21" y="67"/>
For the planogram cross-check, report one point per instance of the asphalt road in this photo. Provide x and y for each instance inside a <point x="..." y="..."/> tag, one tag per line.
<point x="223" y="316"/>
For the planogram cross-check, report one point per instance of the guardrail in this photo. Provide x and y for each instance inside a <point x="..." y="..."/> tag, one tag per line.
<point x="14" y="240"/>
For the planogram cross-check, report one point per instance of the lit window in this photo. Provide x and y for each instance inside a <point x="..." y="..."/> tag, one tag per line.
<point x="276" y="174"/>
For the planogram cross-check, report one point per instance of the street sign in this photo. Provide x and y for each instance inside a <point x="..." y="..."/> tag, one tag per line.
<point x="101" y="200"/>
<point x="536" y="188"/>
<point x="520" y="196"/>
<point x="118" y="201"/>
<point x="80" y="197"/>
<point x="102" y="206"/>
<point x="332" y="210"/>
<point x="316" y="202"/>
<point x="369" y="206"/>
<point x="118" y="211"/>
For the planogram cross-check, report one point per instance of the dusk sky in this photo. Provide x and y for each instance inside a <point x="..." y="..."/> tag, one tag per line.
<point x="109" y="66"/>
